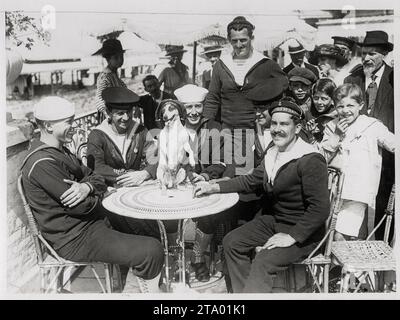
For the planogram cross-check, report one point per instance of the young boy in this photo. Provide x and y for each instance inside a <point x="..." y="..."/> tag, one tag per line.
<point x="352" y="142"/>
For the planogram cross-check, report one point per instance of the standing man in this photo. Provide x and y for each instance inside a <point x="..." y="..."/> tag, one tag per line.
<point x="346" y="45"/>
<point x="233" y="76"/>
<point x="66" y="196"/>
<point x="294" y="178"/>
<point x="297" y="53"/>
<point x="375" y="78"/>
<point x="212" y="53"/>
<point x="177" y="74"/>
<point x="151" y="101"/>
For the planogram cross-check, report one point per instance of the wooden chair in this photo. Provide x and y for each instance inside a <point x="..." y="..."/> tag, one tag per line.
<point x="318" y="263"/>
<point x="48" y="260"/>
<point x="367" y="257"/>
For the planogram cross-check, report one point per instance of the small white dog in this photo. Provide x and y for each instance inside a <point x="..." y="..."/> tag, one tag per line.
<point x="175" y="152"/>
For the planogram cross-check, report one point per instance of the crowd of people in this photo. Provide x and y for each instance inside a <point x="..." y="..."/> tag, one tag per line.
<point x="265" y="132"/>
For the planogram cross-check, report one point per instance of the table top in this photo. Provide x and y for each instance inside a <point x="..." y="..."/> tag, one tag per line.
<point x="150" y="202"/>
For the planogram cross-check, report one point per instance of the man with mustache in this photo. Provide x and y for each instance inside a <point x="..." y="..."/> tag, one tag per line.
<point x="65" y="197"/>
<point x="294" y="179"/>
<point x="375" y="78"/>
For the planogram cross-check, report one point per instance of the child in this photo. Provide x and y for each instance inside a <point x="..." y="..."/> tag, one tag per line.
<point x="352" y="142"/>
<point x="322" y="108"/>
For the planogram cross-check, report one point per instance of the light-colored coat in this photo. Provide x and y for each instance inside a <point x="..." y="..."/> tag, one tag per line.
<point x="358" y="155"/>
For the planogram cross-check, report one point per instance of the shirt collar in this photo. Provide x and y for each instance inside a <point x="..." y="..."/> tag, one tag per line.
<point x="378" y="78"/>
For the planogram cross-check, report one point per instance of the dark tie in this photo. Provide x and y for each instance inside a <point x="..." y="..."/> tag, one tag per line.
<point x="371" y="94"/>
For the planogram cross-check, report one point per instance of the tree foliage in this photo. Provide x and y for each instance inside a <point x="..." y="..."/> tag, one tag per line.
<point x="22" y="29"/>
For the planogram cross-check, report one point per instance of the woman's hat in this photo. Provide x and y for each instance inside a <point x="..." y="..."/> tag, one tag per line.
<point x="377" y="38"/>
<point x="328" y="50"/>
<point x="109" y="48"/>
<point x="286" y="106"/>
<point x="171" y="50"/>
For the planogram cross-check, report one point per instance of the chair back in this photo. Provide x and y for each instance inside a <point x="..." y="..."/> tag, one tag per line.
<point x="31" y="221"/>
<point x="388" y="216"/>
<point x="41" y="245"/>
<point x="335" y="186"/>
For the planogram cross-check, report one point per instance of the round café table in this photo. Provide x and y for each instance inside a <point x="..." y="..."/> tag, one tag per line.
<point x="148" y="201"/>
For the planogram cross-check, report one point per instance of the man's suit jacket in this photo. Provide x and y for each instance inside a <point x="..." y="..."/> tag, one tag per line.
<point x="384" y="103"/>
<point x="311" y="67"/>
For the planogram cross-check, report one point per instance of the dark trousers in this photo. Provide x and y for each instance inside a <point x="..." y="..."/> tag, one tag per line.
<point x="145" y="255"/>
<point x="257" y="275"/>
<point x="382" y="198"/>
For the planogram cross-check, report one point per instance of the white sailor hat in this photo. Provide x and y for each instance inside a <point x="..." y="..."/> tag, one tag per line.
<point x="190" y="93"/>
<point x="53" y="108"/>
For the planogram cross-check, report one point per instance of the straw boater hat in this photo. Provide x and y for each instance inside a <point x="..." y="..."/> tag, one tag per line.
<point x="211" y="49"/>
<point x="377" y="39"/>
<point x="295" y="47"/>
<point x="109" y="47"/>
<point x="171" y="50"/>
<point x="328" y="50"/>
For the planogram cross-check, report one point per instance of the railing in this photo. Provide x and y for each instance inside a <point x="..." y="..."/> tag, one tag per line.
<point x="84" y="125"/>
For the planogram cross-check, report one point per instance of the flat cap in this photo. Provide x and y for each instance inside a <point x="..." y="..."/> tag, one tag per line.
<point x="286" y="106"/>
<point x="303" y="75"/>
<point x="53" y="108"/>
<point x="190" y="93"/>
<point x="119" y="97"/>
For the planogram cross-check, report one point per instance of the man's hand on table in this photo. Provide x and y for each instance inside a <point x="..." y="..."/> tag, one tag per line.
<point x="132" y="178"/>
<point x="278" y="240"/>
<point x="75" y="194"/>
<point x="204" y="188"/>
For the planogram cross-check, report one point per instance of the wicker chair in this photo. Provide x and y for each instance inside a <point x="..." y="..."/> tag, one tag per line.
<point x="366" y="257"/>
<point x="317" y="263"/>
<point x="49" y="260"/>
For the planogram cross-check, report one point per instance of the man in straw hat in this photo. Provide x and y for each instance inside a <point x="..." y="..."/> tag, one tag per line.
<point x="212" y="53"/>
<point x="375" y="78"/>
<point x="297" y="53"/>
<point x="177" y="74"/>
<point x="295" y="184"/>
<point x="66" y="200"/>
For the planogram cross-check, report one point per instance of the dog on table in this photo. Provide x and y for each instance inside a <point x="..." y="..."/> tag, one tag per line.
<point x="176" y="158"/>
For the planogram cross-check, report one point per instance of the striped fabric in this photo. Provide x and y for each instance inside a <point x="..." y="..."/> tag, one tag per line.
<point x="106" y="79"/>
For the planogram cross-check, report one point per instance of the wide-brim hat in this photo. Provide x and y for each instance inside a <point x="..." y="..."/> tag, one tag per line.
<point x="377" y="38"/>
<point x="110" y="47"/>
<point x="267" y="91"/>
<point x="211" y="49"/>
<point x="343" y="41"/>
<point x="328" y="50"/>
<point x="286" y="106"/>
<point x="171" y="50"/>
<point x="119" y="97"/>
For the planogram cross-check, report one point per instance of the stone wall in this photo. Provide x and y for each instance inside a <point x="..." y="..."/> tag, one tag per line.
<point x="22" y="271"/>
